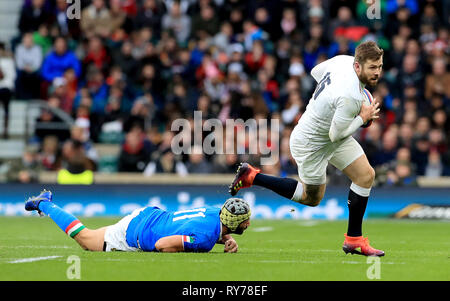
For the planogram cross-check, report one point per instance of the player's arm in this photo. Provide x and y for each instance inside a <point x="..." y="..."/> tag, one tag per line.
<point x="173" y="243"/>
<point x="345" y="124"/>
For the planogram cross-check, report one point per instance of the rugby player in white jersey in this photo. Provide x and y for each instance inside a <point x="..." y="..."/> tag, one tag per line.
<point x="323" y="134"/>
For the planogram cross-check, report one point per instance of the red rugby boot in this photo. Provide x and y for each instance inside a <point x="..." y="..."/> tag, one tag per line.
<point x="351" y="245"/>
<point x="244" y="178"/>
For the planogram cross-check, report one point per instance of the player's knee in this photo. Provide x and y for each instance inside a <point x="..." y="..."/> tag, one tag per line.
<point x="366" y="178"/>
<point x="313" y="196"/>
<point x="370" y="177"/>
<point x="84" y="239"/>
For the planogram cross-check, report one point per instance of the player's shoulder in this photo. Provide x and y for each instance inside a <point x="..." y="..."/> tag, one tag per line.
<point x="346" y="80"/>
<point x="343" y="59"/>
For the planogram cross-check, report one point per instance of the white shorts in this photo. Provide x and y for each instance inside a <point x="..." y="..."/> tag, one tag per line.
<point x="115" y="235"/>
<point x="312" y="157"/>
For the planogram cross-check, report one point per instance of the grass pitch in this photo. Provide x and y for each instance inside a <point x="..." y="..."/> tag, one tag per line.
<point x="33" y="248"/>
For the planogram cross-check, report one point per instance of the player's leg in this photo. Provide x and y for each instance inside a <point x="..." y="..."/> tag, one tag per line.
<point x="88" y="239"/>
<point x="362" y="176"/>
<point x="91" y="240"/>
<point x="311" y="163"/>
<point x="297" y="191"/>
<point x="350" y="158"/>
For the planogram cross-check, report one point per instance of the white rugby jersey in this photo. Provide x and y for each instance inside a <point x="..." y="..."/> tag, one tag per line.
<point x="333" y="110"/>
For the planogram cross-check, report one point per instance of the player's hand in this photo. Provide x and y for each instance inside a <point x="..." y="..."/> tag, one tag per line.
<point x="370" y="112"/>
<point x="231" y="246"/>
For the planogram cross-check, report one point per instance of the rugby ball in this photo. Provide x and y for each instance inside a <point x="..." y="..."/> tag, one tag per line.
<point x="368" y="99"/>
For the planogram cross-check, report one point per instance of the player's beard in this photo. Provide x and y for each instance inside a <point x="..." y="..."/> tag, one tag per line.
<point x="370" y="81"/>
<point x="238" y="231"/>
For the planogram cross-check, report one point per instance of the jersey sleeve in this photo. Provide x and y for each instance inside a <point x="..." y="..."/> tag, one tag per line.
<point x="198" y="242"/>
<point x="344" y="122"/>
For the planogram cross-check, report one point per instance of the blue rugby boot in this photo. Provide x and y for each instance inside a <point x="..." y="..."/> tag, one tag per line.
<point x="33" y="202"/>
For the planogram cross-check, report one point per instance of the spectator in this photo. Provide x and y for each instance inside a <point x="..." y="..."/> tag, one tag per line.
<point x="25" y="170"/>
<point x="422" y="127"/>
<point x="59" y="89"/>
<point x="251" y="34"/>
<point x="224" y="37"/>
<point x="150" y="16"/>
<point x="437" y="81"/>
<point x="32" y="16"/>
<point x="371" y="143"/>
<point x="78" y="133"/>
<point x="96" y="20"/>
<point x="343" y="21"/>
<point x="49" y="155"/>
<point x="119" y="18"/>
<point x="419" y="153"/>
<point x="7" y="79"/>
<point x="126" y="61"/>
<point x="401" y="176"/>
<point x="142" y="113"/>
<point x="288" y="22"/>
<point x="266" y="21"/>
<point x="389" y="148"/>
<point x="42" y="38"/>
<point x="292" y="111"/>
<point x="226" y="163"/>
<point x="57" y="62"/>
<point x="28" y="61"/>
<point x="68" y="27"/>
<point x="197" y="162"/>
<point x="178" y="23"/>
<point x="97" y="54"/>
<point x="255" y="58"/>
<point x="166" y="162"/>
<point x="97" y="89"/>
<point x="410" y="74"/>
<point x="434" y="167"/>
<point x="49" y="124"/>
<point x="206" y="23"/>
<point x="135" y="152"/>
<point x="437" y="140"/>
<point x="76" y="167"/>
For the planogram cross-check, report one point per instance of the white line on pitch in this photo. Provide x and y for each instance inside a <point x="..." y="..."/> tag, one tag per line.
<point x="32" y="259"/>
<point x="262" y="229"/>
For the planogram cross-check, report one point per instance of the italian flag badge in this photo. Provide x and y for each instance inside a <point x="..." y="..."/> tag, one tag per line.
<point x="188" y="239"/>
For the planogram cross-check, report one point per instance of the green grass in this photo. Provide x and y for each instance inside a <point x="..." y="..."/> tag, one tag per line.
<point x="269" y="250"/>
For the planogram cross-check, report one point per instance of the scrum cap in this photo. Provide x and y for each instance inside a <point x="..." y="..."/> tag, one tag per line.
<point x="234" y="211"/>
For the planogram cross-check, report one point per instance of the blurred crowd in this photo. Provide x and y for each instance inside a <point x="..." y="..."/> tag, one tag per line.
<point x="127" y="68"/>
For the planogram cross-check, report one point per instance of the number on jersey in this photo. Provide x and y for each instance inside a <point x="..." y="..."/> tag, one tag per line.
<point x="321" y="85"/>
<point x="190" y="213"/>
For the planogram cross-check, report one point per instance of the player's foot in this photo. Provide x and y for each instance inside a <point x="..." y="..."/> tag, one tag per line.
<point x="244" y="178"/>
<point x="352" y="244"/>
<point x="33" y="202"/>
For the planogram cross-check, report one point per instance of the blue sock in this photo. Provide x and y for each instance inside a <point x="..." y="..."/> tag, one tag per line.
<point x="66" y="221"/>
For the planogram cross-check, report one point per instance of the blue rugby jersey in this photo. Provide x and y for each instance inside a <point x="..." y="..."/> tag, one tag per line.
<point x="201" y="228"/>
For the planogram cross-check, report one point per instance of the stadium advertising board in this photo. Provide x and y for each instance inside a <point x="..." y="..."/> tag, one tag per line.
<point x="119" y="200"/>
